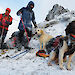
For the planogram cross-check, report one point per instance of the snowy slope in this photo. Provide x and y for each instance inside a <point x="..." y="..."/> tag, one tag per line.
<point x="29" y="64"/>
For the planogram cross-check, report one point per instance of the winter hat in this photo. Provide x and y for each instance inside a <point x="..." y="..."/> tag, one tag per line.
<point x="30" y="3"/>
<point x="8" y="9"/>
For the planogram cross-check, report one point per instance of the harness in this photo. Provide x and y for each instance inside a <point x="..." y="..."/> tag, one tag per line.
<point x="54" y="44"/>
<point x="59" y="43"/>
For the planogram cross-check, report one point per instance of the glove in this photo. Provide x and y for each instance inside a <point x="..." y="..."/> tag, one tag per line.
<point x="19" y="13"/>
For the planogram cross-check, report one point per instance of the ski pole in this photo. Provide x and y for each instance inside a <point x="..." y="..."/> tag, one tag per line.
<point x="19" y="54"/>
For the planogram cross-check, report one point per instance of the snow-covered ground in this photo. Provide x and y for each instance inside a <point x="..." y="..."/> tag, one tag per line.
<point x="30" y="64"/>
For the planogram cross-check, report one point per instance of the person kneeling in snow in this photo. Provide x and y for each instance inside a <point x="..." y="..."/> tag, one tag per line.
<point x="25" y="25"/>
<point x="5" y="21"/>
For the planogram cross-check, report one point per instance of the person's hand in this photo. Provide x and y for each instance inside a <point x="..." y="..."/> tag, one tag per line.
<point x="20" y="13"/>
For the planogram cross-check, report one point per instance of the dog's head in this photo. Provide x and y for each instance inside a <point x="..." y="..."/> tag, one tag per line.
<point x="39" y="32"/>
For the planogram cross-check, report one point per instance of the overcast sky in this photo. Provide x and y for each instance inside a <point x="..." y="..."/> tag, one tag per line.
<point x="41" y="6"/>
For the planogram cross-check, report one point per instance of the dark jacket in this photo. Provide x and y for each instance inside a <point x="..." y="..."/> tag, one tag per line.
<point x="27" y="16"/>
<point x="70" y="29"/>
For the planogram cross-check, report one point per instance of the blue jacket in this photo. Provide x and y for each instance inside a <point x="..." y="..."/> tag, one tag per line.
<point x="27" y="17"/>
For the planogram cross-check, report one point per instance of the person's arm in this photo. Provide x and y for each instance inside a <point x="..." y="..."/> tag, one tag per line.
<point x="10" y="22"/>
<point x="33" y="20"/>
<point x="20" y="11"/>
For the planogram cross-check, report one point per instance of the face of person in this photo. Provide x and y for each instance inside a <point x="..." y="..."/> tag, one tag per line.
<point x="32" y="6"/>
<point x="7" y="12"/>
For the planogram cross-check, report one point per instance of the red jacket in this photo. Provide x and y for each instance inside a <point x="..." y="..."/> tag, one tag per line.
<point x="5" y="21"/>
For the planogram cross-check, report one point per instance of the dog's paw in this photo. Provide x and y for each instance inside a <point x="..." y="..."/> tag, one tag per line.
<point x="61" y="68"/>
<point x="49" y="64"/>
<point x="69" y="69"/>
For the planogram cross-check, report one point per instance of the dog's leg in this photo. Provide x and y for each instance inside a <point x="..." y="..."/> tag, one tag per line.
<point x="56" y="61"/>
<point x="43" y="46"/>
<point x="61" y="54"/>
<point x="40" y="46"/>
<point x="69" y="62"/>
<point x="51" y="57"/>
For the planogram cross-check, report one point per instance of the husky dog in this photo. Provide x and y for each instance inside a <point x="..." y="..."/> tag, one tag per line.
<point x="61" y="52"/>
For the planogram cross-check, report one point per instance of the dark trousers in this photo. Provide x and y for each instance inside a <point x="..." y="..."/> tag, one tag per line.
<point x="3" y="34"/>
<point x="21" y="34"/>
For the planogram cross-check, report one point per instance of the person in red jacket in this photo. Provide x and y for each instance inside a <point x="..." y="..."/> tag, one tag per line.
<point x="5" y="21"/>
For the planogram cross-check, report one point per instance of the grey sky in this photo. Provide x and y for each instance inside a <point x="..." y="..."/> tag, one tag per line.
<point x="41" y="6"/>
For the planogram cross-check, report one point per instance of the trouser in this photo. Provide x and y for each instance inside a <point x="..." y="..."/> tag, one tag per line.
<point x="21" y="34"/>
<point x="3" y="34"/>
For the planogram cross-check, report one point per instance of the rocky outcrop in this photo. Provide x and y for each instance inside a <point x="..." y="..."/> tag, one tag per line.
<point x="55" y="11"/>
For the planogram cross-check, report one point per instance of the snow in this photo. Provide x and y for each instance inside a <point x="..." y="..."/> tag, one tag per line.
<point x="30" y="64"/>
